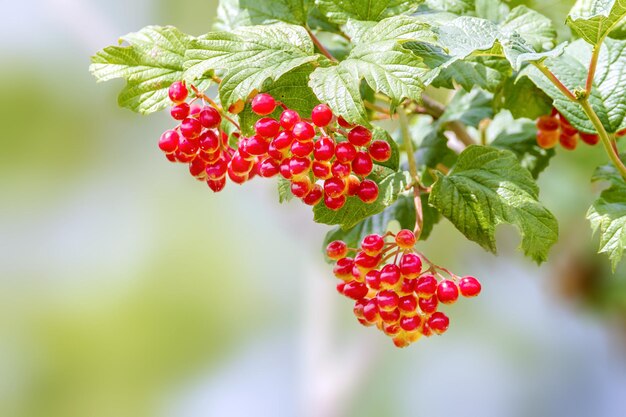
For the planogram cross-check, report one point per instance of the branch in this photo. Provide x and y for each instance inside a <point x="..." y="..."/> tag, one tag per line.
<point x="557" y="83"/>
<point x="436" y="110"/>
<point x="410" y="153"/>
<point x="320" y="46"/>
<point x="593" y="65"/>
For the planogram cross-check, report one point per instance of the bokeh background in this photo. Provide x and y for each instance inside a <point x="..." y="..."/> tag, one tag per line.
<point x="129" y="290"/>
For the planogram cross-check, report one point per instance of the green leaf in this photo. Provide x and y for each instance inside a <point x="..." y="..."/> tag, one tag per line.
<point x="520" y="137"/>
<point x="488" y="187"/>
<point x="493" y="10"/>
<point x="402" y="211"/>
<point x="468" y="107"/>
<point x="523" y="99"/>
<point x="151" y="62"/>
<point x="608" y="214"/>
<point x="250" y="55"/>
<point x="432" y="145"/>
<point x="536" y="29"/>
<point x="452" y="6"/>
<point x="608" y="96"/>
<point x="340" y="11"/>
<point x="355" y="211"/>
<point x="232" y="14"/>
<point x="284" y="191"/>
<point x="594" y="19"/>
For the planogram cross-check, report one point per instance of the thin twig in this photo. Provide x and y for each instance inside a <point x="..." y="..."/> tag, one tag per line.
<point x="320" y="46"/>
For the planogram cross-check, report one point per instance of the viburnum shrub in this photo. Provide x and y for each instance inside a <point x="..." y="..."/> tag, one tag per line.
<point x="336" y="99"/>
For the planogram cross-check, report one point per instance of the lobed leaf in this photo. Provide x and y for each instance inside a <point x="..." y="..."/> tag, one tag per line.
<point x="340" y="11"/>
<point x="488" y="187"/>
<point x="593" y="20"/>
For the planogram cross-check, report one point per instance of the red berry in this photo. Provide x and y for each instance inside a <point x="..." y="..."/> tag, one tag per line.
<point x="267" y="127"/>
<point x="410" y="265"/>
<point x="362" y="164"/>
<point x="547" y="123"/>
<point x="372" y="279"/>
<point x="217" y="170"/>
<point x="289" y="118"/>
<point x="187" y="147"/>
<point x="389" y="316"/>
<point x="345" y="152"/>
<point x="180" y="111"/>
<point x="237" y="177"/>
<point x="368" y="191"/>
<point x="340" y="170"/>
<point x="256" y="145"/>
<point x="439" y="322"/>
<point x="217" y="185"/>
<point x="209" y="142"/>
<point x="321" y="170"/>
<point x="447" y="291"/>
<point x="190" y="128"/>
<point x="390" y="275"/>
<point x="303" y="131"/>
<point x="470" y="287"/>
<point x="334" y="187"/>
<point x="321" y="115"/>
<point x="426" y="286"/>
<point x="343" y="268"/>
<point x="241" y="165"/>
<point x="324" y="149"/>
<point x="547" y="139"/>
<point x="263" y="104"/>
<point x="410" y="323"/>
<point x="302" y="148"/>
<point x="197" y="168"/>
<point x="178" y="92"/>
<point x="373" y="244"/>
<point x="285" y="170"/>
<point x="274" y="153"/>
<point x="353" y="185"/>
<point x="380" y="151"/>
<point x="314" y="196"/>
<point x="589" y="138"/>
<point x="366" y="261"/>
<point x="283" y="141"/>
<point x="335" y="203"/>
<point x="405" y="239"/>
<point x="340" y="287"/>
<point x="210" y="118"/>
<point x="360" y="136"/>
<point x="268" y="168"/>
<point x="408" y="286"/>
<point x="169" y="140"/>
<point x="355" y="290"/>
<point x="428" y="305"/>
<point x="568" y="142"/>
<point x="302" y="187"/>
<point x="299" y="166"/>
<point x="567" y="128"/>
<point x="408" y="303"/>
<point x="343" y="123"/>
<point x="370" y="310"/>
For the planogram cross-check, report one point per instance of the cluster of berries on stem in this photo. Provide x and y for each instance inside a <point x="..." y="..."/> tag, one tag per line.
<point x="391" y="289"/>
<point x="555" y="128"/>
<point x="322" y="156"/>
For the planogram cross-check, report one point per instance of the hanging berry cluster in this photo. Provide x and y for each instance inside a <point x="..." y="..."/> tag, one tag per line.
<point x="322" y="160"/>
<point x="555" y="128"/>
<point x="392" y="291"/>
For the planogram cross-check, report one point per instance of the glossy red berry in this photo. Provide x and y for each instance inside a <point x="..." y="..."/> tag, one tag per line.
<point x="343" y="123"/>
<point x="187" y="147"/>
<point x="334" y="203"/>
<point x="340" y="170"/>
<point x="303" y="131"/>
<point x="343" y="268"/>
<point x="283" y="141"/>
<point x="299" y="166"/>
<point x="548" y="123"/>
<point x="190" y="128"/>
<point x="428" y="305"/>
<point x="368" y="191"/>
<point x="178" y="92"/>
<point x="209" y="142"/>
<point x="168" y="142"/>
<point x="263" y="104"/>
<point x="589" y="138"/>
<point x="302" y="148"/>
<point x="314" y="196"/>
<point x="372" y="279"/>
<point x="390" y="316"/>
<point x="217" y="170"/>
<point x="321" y="115"/>
<point x="241" y="165"/>
<point x="365" y="261"/>
<point x="362" y="164"/>
<point x="345" y="152"/>
<point x="256" y="145"/>
<point x="370" y="310"/>
<point x="334" y="187"/>
<point x="301" y="187"/>
<point x="268" y="168"/>
<point x="180" y="111"/>
<point x="426" y="286"/>
<point x="289" y="118"/>
<point x="406" y="239"/>
<point x="324" y="149"/>
<point x="355" y="290"/>
<point x="321" y="170"/>
<point x="447" y="291"/>
<point x="380" y="151"/>
<point x="469" y="287"/>
<point x="210" y="118"/>
<point x="408" y="303"/>
<point x="548" y="139"/>
<point x="236" y="177"/>
<point x="267" y="127"/>
<point x="439" y="322"/>
<point x="568" y="142"/>
<point x="360" y="136"/>
<point x="353" y="185"/>
<point x="410" y="265"/>
<point x="373" y="244"/>
<point x="410" y="323"/>
<point x="390" y="275"/>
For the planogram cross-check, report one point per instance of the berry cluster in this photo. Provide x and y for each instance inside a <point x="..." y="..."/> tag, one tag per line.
<point x="322" y="161"/>
<point x="555" y="128"/>
<point x="399" y="297"/>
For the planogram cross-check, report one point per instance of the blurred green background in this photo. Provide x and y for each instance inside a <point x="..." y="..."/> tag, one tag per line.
<point x="129" y="290"/>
